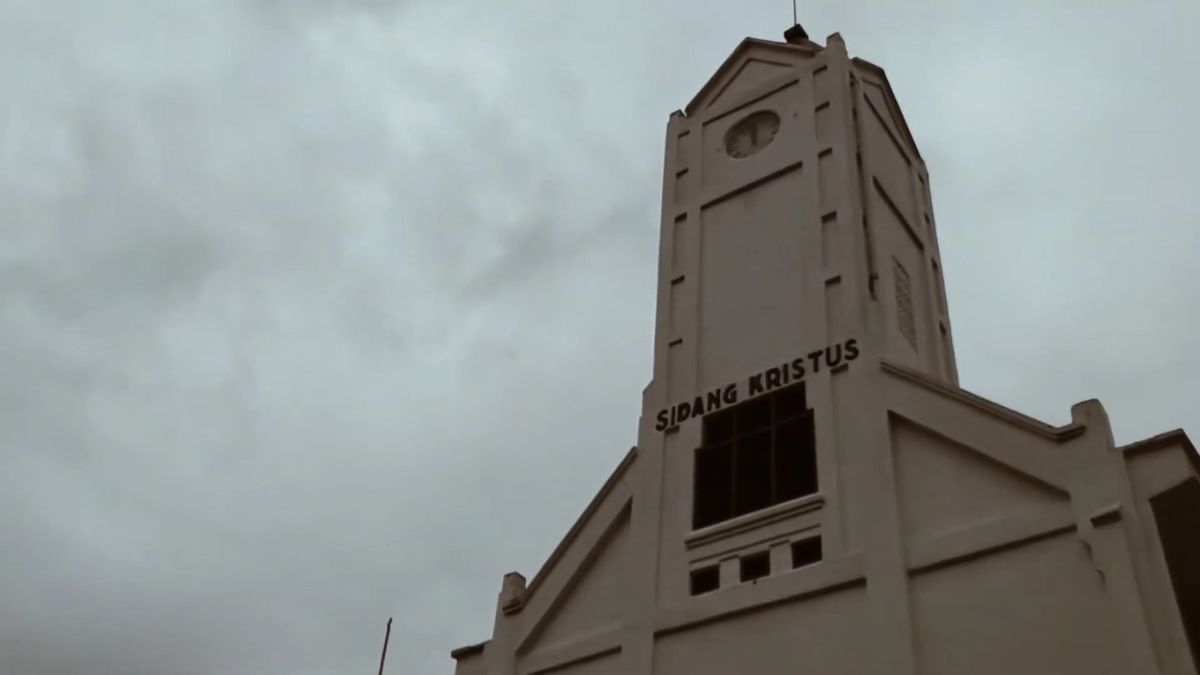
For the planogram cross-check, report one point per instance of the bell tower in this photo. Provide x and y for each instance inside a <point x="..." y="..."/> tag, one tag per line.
<point x="798" y="252"/>
<point x="796" y="215"/>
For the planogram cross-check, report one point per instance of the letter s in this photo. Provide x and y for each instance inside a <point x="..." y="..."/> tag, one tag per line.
<point x="663" y="420"/>
<point x="851" y="349"/>
<point x="797" y="369"/>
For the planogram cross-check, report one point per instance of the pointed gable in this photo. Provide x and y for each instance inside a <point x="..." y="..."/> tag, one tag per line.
<point x="752" y="64"/>
<point x="882" y="103"/>
<point x="946" y="487"/>
<point x="589" y="601"/>
<point x="576" y="595"/>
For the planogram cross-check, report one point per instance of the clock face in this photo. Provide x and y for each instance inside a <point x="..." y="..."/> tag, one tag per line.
<point x="750" y="135"/>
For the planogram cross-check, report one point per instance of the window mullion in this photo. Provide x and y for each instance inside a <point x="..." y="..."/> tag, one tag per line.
<point x="733" y="469"/>
<point x="773" y="450"/>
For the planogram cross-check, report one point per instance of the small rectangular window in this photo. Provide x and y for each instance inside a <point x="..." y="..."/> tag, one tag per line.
<point x="806" y="552"/>
<point x="756" y="566"/>
<point x="706" y="580"/>
<point x="938" y="289"/>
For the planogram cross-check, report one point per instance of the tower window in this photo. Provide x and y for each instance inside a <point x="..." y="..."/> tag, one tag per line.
<point x="754" y="455"/>
<point x="904" y="303"/>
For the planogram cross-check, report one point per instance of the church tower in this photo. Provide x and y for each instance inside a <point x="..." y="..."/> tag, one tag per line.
<point x="812" y="491"/>
<point x="796" y="214"/>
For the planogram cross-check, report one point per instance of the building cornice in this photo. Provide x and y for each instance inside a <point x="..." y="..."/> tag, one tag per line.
<point x="1167" y="439"/>
<point x="1059" y="434"/>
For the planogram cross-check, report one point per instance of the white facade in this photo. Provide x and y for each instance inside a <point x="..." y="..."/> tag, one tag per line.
<point x="805" y="391"/>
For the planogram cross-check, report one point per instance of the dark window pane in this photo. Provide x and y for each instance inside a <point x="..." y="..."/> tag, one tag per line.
<point x="714" y="485"/>
<point x="795" y="459"/>
<point x="790" y="402"/>
<point x="753" y="414"/>
<point x="757" y="453"/>
<point x="718" y="427"/>
<point x="1177" y="514"/>
<point x="756" y="566"/>
<point x="806" y="552"/>
<point x="752" y="473"/>
<point x="706" y="580"/>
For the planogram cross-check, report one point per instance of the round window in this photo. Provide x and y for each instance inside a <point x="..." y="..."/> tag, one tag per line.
<point x="751" y="134"/>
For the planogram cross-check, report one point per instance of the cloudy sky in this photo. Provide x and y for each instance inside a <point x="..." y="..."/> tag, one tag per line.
<point x="296" y="294"/>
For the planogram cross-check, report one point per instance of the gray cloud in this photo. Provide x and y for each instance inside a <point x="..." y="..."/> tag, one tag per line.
<point x="313" y="313"/>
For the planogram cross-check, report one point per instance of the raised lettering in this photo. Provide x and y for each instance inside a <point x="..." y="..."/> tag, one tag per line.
<point x="756" y="384"/>
<point x="714" y="400"/>
<point x="773" y="378"/>
<point x="851" y="349"/>
<point x="835" y="358"/>
<point x="663" y="421"/>
<point x="685" y="411"/>
<point x="798" y="369"/>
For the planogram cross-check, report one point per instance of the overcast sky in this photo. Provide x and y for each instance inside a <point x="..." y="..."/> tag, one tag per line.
<point x="315" y="312"/>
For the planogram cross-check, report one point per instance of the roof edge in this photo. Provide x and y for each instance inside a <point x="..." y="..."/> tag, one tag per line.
<point x="469" y="650"/>
<point x="573" y="533"/>
<point x="887" y="85"/>
<point x="1158" y="441"/>
<point x="1059" y="434"/>
<point x="746" y="43"/>
<point x="1164" y="440"/>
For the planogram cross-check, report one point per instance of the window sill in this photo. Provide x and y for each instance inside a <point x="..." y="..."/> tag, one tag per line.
<point x="754" y="520"/>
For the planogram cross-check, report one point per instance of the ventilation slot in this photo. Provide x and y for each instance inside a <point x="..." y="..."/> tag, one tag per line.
<point x="806" y="552"/>
<point x="756" y="566"/>
<point x="706" y="580"/>
<point x="904" y="304"/>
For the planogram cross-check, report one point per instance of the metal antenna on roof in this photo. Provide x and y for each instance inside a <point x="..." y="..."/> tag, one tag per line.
<point x="795" y="35"/>
<point x="386" y="635"/>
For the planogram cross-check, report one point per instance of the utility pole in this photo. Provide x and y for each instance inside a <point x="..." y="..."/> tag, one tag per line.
<point x="386" y="636"/>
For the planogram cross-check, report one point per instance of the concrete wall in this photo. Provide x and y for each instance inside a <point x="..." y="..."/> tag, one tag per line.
<point x="1038" y="608"/>
<point x="818" y="635"/>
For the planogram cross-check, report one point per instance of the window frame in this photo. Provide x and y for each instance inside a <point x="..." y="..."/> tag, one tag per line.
<point x="807" y="482"/>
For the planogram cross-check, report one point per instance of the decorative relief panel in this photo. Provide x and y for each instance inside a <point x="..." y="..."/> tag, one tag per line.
<point x="904" y="303"/>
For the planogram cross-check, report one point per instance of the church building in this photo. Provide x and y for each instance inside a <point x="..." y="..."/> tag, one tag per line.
<point x="811" y="491"/>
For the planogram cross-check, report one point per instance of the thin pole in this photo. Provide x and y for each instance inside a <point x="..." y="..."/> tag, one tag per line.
<point x="386" y="636"/>
<point x="795" y="13"/>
